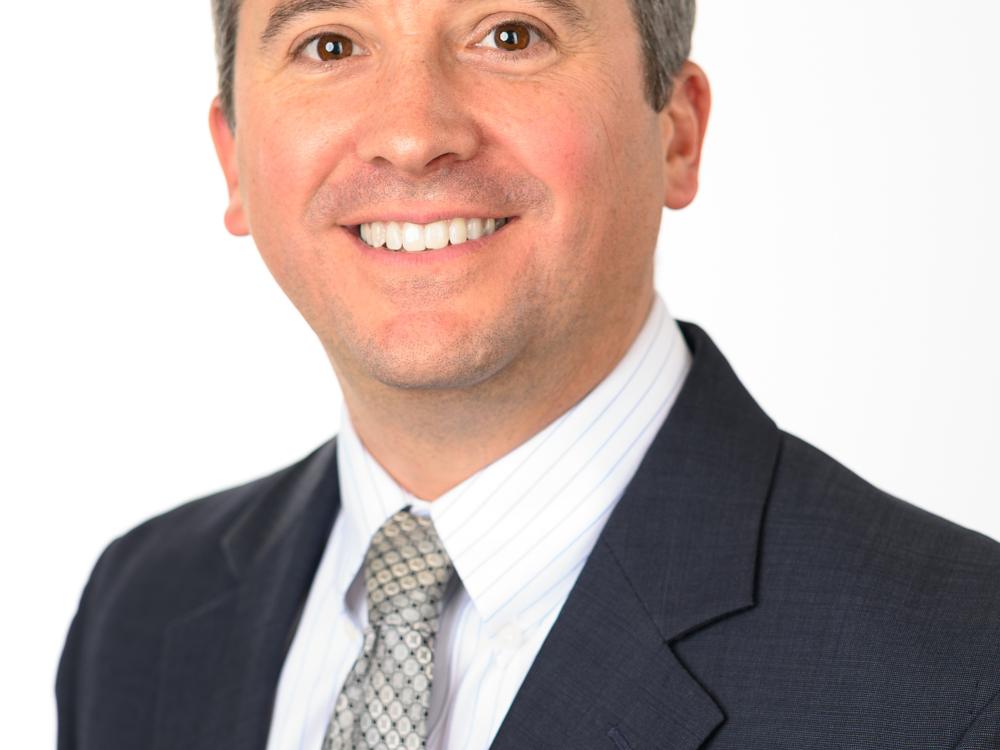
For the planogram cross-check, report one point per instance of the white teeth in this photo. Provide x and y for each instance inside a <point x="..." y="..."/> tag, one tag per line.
<point x="474" y="227"/>
<point x="393" y="235"/>
<point x="456" y="231"/>
<point x="436" y="235"/>
<point x="415" y="238"/>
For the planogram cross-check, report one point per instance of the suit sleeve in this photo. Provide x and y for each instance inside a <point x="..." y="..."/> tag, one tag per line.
<point x="70" y="677"/>
<point x="984" y="731"/>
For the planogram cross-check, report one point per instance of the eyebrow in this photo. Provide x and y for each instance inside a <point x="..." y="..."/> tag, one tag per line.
<point x="287" y="11"/>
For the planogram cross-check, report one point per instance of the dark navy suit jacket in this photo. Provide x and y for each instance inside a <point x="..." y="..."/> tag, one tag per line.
<point x="748" y="592"/>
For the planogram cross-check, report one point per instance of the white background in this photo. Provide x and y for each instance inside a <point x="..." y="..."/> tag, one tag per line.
<point x="842" y="253"/>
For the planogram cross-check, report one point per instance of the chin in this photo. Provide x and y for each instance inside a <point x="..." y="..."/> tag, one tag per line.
<point x="439" y="350"/>
<point x="417" y="372"/>
<point x="439" y="363"/>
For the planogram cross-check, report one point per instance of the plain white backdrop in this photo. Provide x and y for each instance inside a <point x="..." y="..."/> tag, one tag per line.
<point x="843" y="253"/>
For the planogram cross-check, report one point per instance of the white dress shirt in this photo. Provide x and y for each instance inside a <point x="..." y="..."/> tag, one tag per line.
<point x="518" y="533"/>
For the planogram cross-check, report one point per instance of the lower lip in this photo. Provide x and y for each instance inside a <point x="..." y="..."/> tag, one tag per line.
<point x="441" y="255"/>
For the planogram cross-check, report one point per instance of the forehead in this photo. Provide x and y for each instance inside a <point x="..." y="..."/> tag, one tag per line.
<point x="568" y="8"/>
<point x="273" y="16"/>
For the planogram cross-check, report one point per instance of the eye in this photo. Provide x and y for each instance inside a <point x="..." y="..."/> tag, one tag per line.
<point x="512" y="37"/>
<point x="327" y="47"/>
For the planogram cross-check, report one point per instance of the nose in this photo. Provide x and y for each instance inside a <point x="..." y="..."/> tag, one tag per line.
<point x="420" y="121"/>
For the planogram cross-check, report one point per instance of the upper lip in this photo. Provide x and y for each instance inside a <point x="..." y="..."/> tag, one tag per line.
<point x="423" y="216"/>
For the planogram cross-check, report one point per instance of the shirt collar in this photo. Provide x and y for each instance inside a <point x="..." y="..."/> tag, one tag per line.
<point x="523" y="526"/>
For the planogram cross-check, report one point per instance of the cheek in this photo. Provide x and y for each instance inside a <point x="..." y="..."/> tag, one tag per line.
<point x="287" y="159"/>
<point x="294" y="144"/>
<point x="560" y="146"/>
<point x="594" y="151"/>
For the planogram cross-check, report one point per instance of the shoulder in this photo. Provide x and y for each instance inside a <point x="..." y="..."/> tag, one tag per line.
<point x="815" y="498"/>
<point x="865" y="606"/>
<point x="180" y="553"/>
<point x="876" y="565"/>
<point x="182" y="564"/>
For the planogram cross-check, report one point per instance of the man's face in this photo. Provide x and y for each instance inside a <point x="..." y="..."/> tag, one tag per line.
<point x="425" y="110"/>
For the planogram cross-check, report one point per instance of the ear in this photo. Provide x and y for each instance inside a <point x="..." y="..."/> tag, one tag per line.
<point x="683" y="122"/>
<point x="225" y="149"/>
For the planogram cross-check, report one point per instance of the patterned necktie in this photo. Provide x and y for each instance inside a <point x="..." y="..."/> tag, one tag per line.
<point x="383" y="704"/>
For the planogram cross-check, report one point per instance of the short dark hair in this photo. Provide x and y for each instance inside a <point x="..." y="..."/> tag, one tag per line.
<point x="665" y="27"/>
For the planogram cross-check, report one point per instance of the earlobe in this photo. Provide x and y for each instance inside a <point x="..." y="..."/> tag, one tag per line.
<point x="225" y="150"/>
<point x="683" y="123"/>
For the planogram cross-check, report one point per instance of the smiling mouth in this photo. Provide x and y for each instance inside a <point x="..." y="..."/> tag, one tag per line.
<point x="399" y="236"/>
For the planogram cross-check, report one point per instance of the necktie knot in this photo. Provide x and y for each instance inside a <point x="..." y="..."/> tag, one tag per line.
<point x="406" y="573"/>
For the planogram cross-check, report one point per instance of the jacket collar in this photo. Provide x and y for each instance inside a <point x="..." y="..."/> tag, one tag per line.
<point x="679" y="553"/>
<point x="687" y="538"/>
<point x="305" y="494"/>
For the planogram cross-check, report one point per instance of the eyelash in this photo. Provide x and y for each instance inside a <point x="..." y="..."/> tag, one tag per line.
<point x="533" y="30"/>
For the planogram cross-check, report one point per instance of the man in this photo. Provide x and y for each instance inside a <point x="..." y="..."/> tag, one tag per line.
<point x="552" y="517"/>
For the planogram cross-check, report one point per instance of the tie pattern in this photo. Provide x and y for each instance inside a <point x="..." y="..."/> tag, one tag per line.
<point x="383" y="704"/>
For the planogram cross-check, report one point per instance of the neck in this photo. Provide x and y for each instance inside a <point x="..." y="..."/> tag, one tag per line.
<point x="431" y="440"/>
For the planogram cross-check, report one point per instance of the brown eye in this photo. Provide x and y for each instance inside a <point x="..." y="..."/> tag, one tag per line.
<point x="512" y="36"/>
<point x="333" y="47"/>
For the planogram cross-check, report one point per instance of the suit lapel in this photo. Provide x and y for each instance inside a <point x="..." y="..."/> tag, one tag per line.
<point x="604" y="677"/>
<point x="221" y="662"/>
<point x="678" y="554"/>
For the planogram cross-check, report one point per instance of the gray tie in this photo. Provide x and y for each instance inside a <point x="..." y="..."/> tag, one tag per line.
<point x="383" y="704"/>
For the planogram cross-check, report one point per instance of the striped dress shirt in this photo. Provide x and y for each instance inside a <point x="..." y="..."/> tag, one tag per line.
<point x="518" y="533"/>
